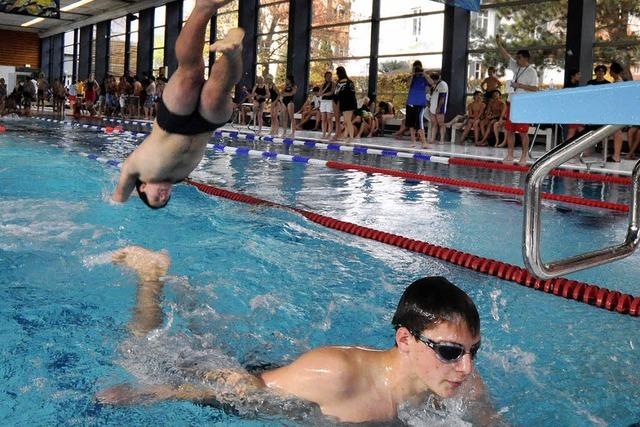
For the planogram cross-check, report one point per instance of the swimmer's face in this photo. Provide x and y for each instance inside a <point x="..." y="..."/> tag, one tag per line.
<point x="157" y="193"/>
<point x="438" y="375"/>
<point x="496" y="95"/>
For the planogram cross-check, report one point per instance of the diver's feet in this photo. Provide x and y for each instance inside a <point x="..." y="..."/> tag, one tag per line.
<point x="231" y="44"/>
<point x="211" y="6"/>
<point x="508" y="159"/>
<point x="149" y="265"/>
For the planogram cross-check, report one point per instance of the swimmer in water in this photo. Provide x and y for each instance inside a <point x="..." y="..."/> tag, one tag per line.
<point x="191" y="108"/>
<point x="436" y="340"/>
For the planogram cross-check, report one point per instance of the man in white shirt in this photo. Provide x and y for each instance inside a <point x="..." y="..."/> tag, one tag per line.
<point x="437" y="106"/>
<point x="525" y="79"/>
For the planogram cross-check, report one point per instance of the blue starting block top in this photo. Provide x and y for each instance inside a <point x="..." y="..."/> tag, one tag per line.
<point x="612" y="104"/>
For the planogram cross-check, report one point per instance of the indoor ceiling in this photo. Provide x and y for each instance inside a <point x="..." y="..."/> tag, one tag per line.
<point x="10" y="21"/>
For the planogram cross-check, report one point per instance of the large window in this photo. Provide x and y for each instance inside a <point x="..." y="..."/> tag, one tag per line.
<point x="341" y="36"/>
<point x="539" y="27"/>
<point x="132" y="48"/>
<point x="159" y="21"/>
<point x="226" y="19"/>
<point x="272" y="41"/>
<point x="409" y="30"/>
<point x="68" y="65"/>
<point x="618" y="35"/>
<point x="117" y="46"/>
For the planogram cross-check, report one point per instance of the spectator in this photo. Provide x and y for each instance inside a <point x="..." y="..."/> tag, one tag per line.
<point x="574" y="81"/>
<point x="290" y="89"/>
<point x="492" y="116"/>
<point x="90" y="94"/>
<point x="311" y="109"/>
<point x="416" y="104"/>
<point x="619" y="74"/>
<point x="475" y="113"/>
<point x="242" y="97"/>
<point x="259" y="95"/>
<point x="438" y="107"/>
<point x="490" y="84"/>
<point x="363" y="120"/>
<point x="599" y="71"/>
<point x="276" y="105"/>
<point x="149" y="102"/>
<point x="525" y="79"/>
<point x="42" y="86"/>
<point x="326" y="104"/>
<point x="3" y="95"/>
<point x="346" y="96"/>
<point x="28" y="95"/>
<point x="59" y="97"/>
<point x="384" y="113"/>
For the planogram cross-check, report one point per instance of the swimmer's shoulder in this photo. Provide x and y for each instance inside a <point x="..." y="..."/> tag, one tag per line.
<point x="319" y="375"/>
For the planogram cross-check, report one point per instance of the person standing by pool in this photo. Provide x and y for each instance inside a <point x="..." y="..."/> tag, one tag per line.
<point x="416" y="104"/>
<point x="437" y="337"/>
<point x="525" y="79"/>
<point x="191" y="108"/>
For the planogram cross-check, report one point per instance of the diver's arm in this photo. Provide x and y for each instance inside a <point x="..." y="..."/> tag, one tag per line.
<point x="126" y="183"/>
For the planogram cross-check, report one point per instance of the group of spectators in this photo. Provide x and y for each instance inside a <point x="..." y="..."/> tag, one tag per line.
<point x="332" y="105"/>
<point x="21" y="99"/>
<point x="127" y="96"/>
<point x="618" y="74"/>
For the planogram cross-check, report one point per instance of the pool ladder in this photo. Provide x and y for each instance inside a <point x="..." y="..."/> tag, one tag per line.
<point x="532" y="198"/>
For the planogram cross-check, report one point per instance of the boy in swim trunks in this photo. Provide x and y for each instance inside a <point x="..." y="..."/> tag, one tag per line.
<point x="436" y="340"/>
<point x="191" y="108"/>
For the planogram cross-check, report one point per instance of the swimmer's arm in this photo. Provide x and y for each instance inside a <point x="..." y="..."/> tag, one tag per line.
<point x="126" y="183"/>
<point x="324" y="376"/>
<point x="125" y="394"/>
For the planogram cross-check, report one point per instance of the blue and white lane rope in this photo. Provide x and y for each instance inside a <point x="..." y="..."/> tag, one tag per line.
<point x="239" y="151"/>
<point x="311" y="143"/>
<point x="306" y="142"/>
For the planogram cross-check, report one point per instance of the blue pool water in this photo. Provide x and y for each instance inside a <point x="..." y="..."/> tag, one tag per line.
<point x="261" y="285"/>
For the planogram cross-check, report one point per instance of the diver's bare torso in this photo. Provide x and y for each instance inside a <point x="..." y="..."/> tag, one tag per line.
<point x="167" y="156"/>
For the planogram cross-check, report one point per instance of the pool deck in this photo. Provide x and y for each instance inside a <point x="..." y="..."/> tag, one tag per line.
<point x="448" y="149"/>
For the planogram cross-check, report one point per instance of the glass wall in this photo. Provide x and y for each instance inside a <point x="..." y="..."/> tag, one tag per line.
<point x="272" y="40"/>
<point x="159" y="21"/>
<point x="68" y="56"/>
<point x="117" y="46"/>
<point x="132" y="48"/>
<point x="539" y="27"/>
<point x="409" y="30"/>
<point x="341" y="36"/>
<point x="618" y="35"/>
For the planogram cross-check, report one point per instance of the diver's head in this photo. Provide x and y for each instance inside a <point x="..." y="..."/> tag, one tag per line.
<point x="438" y="334"/>
<point x="156" y="195"/>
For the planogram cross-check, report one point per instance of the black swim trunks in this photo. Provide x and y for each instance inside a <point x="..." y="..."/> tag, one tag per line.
<point x="192" y="124"/>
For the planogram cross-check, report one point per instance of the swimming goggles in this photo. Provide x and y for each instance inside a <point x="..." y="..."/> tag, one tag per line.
<point x="449" y="352"/>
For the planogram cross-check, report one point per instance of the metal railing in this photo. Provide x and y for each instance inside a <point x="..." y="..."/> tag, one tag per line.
<point x="532" y="212"/>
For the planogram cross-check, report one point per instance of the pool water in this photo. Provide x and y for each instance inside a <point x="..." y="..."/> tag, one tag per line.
<point x="260" y="285"/>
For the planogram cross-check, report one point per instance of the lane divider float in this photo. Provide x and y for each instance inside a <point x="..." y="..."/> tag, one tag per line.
<point x="575" y="200"/>
<point x="565" y="171"/>
<point x="596" y="296"/>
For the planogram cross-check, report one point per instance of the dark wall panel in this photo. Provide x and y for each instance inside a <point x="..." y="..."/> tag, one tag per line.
<point x="103" y="30"/>
<point x="298" y="47"/>
<point x="145" y="42"/>
<point x="45" y="56"/>
<point x="172" y="30"/>
<point x="454" y="57"/>
<point x="86" y="36"/>
<point x="57" y="47"/>
<point x="248" y="21"/>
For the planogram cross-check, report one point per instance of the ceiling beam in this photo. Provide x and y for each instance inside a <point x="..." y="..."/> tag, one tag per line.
<point x="123" y="11"/>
